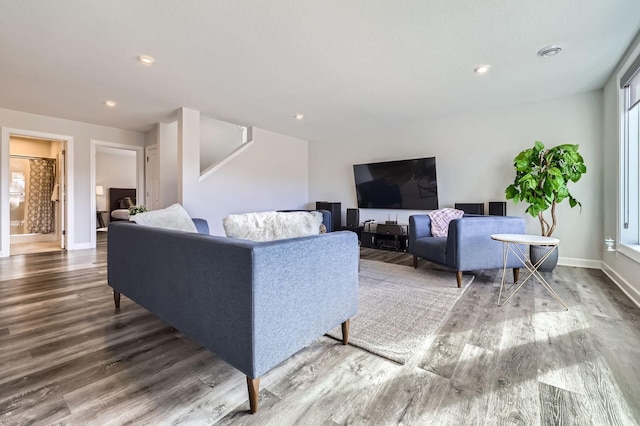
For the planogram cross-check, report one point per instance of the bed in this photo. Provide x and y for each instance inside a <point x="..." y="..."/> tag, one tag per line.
<point x="117" y="208"/>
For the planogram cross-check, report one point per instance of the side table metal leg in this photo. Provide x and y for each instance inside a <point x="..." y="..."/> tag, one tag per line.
<point x="522" y="257"/>
<point x="504" y="269"/>
<point x="544" y="282"/>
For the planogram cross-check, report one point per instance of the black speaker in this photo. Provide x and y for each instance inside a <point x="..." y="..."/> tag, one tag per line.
<point x="336" y="213"/>
<point x="470" y="208"/>
<point x="498" y="208"/>
<point x="353" y="217"/>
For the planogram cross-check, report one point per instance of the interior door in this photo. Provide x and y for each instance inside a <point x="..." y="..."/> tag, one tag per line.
<point x="152" y="178"/>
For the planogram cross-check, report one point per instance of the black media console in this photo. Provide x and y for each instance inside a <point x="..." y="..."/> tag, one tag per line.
<point x="385" y="236"/>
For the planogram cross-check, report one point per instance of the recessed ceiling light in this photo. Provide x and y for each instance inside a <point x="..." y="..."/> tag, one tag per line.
<point x="482" y="69"/>
<point x="110" y="104"/>
<point x="552" y="50"/>
<point x="146" y="59"/>
<point x="299" y="116"/>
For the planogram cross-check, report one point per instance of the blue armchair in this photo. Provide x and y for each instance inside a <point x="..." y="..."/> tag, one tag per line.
<point x="468" y="246"/>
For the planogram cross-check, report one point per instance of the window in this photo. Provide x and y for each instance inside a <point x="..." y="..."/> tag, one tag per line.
<point x="630" y="158"/>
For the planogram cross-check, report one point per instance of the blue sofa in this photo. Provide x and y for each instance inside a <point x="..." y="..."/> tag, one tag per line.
<point x="253" y="304"/>
<point x="468" y="246"/>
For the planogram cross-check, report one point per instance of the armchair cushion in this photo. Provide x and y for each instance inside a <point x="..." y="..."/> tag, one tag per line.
<point x="433" y="249"/>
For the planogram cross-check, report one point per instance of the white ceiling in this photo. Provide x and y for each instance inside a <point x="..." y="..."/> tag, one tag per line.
<point x="348" y="65"/>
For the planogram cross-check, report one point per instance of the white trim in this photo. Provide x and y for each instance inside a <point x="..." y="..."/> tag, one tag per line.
<point x="580" y="263"/>
<point x="247" y="134"/>
<point x="140" y="192"/>
<point x="4" y="185"/>
<point x="630" y="251"/>
<point x="623" y="284"/>
<point x="4" y="194"/>
<point x="82" y="246"/>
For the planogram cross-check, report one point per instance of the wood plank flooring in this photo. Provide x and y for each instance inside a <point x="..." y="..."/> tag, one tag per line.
<point x="67" y="357"/>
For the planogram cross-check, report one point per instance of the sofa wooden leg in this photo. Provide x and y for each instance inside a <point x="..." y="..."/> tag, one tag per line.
<point x="516" y="274"/>
<point x="116" y="298"/>
<point x="254" y="388"/>
<point x="345" y="332"/>
<point x="459" y="278"/>
<point x="415" y="261"/>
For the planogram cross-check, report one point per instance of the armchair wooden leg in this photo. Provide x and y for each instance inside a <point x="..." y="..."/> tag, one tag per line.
<point x="345" y="332"/>
<point x="116" y="298"/>
<point x="254" y="388"/>
<point x="415" y="261"/>
<point x="459" y="278"/>
<point x="516" y="274"/>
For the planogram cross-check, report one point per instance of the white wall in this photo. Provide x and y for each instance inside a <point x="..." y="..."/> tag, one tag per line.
<point x="114" y="171"/>
<point x="151" y="137"/>
<point x="168" y="163"/>
<point x="82" y="133"/>
<point x="623" y="270"/>
<point x="218" y="139"/>
<point x="474" y="155"/>
<point x="271" y="174"/>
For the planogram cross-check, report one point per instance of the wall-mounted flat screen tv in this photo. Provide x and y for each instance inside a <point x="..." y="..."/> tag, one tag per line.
<point x="403" y="184"/>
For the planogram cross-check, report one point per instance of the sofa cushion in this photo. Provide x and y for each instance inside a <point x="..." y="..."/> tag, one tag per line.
<point x="440" y="220"/>
<point x="267" y="226"/>
<point x="173" y="217"/>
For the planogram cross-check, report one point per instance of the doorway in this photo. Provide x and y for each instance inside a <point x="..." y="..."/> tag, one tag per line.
<point x="36" y="200"/>
<point x="113" y="165"/>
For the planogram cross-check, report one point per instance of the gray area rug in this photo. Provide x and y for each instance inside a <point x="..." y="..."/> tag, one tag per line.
<point x="400" y="308"/>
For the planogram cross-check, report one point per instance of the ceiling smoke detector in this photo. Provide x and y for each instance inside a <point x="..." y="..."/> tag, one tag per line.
<point x="552" y="50"/>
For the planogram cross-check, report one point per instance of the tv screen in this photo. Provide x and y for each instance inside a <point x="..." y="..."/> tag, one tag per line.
<point x="404" y="184"/>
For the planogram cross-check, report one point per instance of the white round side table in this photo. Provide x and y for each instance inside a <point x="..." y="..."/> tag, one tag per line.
<point x="512" y="243"/>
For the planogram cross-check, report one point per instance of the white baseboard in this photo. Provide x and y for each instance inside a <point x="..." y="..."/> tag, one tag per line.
<point x="79" y="246"/>
<point x="580" y="263"/>
<point x="624" y="285"/>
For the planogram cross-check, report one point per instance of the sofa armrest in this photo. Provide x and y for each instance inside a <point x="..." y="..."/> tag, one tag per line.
<point x="419" y="227"/>
<point x="313" y="288"/>
<point x="201" y="225"/>
<point x="469" y="243"/>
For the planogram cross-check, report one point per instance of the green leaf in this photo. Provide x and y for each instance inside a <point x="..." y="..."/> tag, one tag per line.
<point x="512" y="192"/>
<point x="539" y="146"/>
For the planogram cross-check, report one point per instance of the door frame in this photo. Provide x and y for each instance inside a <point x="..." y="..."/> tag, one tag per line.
<point x="68" y="219"/>
<point x="140" y="195"/>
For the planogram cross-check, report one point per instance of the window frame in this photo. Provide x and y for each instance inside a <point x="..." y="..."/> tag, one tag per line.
<point x="628" y="226"/>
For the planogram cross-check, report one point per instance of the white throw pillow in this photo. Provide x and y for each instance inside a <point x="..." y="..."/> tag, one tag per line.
<point x="173" y="217"/>
<point x="267" y="226"/>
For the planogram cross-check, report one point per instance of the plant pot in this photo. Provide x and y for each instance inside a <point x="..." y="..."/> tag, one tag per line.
<point x="538" y="252"/>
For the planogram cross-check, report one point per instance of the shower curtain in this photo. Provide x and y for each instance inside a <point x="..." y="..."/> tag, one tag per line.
<point x="40" y="209"/>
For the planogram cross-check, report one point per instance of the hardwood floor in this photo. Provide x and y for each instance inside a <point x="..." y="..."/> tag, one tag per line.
<point x="67" y="357"/>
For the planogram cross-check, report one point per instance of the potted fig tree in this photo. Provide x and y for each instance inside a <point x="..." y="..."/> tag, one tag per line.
<point x="542" y="178"/>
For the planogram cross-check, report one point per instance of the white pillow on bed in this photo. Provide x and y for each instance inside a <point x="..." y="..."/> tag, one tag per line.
<point x="173" y="217"/>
